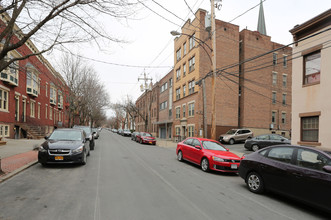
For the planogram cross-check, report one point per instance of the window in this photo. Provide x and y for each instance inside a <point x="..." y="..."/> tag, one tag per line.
<point x="184" y="48"/>
<point x="170" y="112"/>
<point x="191" y="109"/>
<point x="10" y="74"/>
<point x="191" y="131"/>
<point x="46" y="89"/>
<point x="184" y="111"/>
<point x="284" y="80"/>
<point x="284" y="99"/>
<point x="32" y="83"/>
<point x="32" y="108"/>
<point x="3" y="100"/>
<point x="177" y="131"/>
<point x="178" y="74"/>
<point x="60" y="100"/>
<point x="283" y="117"/>
<point x="178" y="54"/>
<point x="309" y="129"/>
<point x="311" y="160"/>
<point x="283" y="154"/>
<point x="192" y="41"/>
<point x="184" y="69"/>
<point x="50" y="113"/>
<point x="274" y="59"/>
<point x="46" y="114"/>
<point x="4" y="130"/>
<point x="273" y="117"/>
<point x="178" y="112"/>
<point x="52" y="94"/>
<point x="274" y="97"/>
<point x="177" y="93"/>
<point x="163" y="105"/>
<point x="312" y="67"/>
<point x="184" y="90"/>
<point x="284" y="61"/>
<point x="170" y="82"/>
<point x="274" y="78"/>
<point x="191" y="86"/>
<point x="191" y="64"/>
<point x="164" y="87"/>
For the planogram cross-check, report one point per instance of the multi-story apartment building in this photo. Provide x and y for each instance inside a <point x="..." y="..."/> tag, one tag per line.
<point x="265" y="84"/>
<point x="165" y="112"/>
<point x="32" y="95"/>
<point x="311" y="106"/>
<point x="154" y="112"/>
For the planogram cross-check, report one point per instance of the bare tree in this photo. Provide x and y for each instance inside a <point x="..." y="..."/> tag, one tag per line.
<point x="53" y="22"/>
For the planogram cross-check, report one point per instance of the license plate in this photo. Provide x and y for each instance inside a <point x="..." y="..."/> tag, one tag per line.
<point x="58" y="158"/>
<point x="234" y="166"/>
<point x="151" y="142"/>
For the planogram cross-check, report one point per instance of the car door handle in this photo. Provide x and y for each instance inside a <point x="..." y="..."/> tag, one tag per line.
<point x="299" y="175"/>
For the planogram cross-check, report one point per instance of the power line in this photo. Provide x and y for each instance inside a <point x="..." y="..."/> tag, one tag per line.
<point x="246" y="11"/>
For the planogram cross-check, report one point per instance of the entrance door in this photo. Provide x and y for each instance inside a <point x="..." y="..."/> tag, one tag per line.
<point x="17" y="110"/>
<point x="163" y="133"/>
<point x="24" y="111"/>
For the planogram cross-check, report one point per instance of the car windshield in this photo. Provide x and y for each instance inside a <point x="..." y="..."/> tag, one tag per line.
<point x="66" y="135"/>
<point x="210" y="145"/>
<point x="232" y="131"/>
<point x="146" y="135"/>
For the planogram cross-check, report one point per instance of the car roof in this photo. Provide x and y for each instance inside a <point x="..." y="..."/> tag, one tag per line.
<point x="298" y="147"/>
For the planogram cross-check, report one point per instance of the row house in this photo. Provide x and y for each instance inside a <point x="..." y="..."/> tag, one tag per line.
<point x="311" y="106"/>
<point x="32" y="95"/>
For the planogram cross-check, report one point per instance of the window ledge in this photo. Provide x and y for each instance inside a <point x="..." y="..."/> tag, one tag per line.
<point x="2" y="110"/>
<point x="311" y="84"/>
<point x="306" y="143"/>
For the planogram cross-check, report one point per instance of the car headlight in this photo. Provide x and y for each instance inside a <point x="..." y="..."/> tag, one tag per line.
<point x="218" y="159"/>
<point x="78" y="150"/>
<point x="41" y="149"/>
<point x="225" y="138"/>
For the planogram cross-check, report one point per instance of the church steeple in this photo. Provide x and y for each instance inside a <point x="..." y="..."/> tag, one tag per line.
<point x="261" y="22"/>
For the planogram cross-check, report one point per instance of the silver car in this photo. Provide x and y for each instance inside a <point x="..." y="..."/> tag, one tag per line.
<point x="236" y="135"/>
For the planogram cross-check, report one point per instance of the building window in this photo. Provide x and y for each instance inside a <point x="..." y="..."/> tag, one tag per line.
<point x="273" y="117"/>
<point x="60" y="100"/>
<point x="284" y="80"/>
<point x="50" y="113"/>
<point x="46" y="113"/>
<point x="184" y="69"/>
<point x="184" y="48"/>
<point x="4" y="130"/>
<point x="177" y="93"/>
<point x="285" y="61"/>
<point x="192" y="41"/>
<point x="184" y="111"/>
<point x="274" y="97"/>
<point x="184" y="90"/>
<point x="170" y="82"/>
<point x="32" y="83"/>
<point x="178" y="54"/>
<point x="191" y="109"/>
<point x="38" y="110"/>
<point x="170" y="112"/>
<point x="312" y="67"/>
<point x="10" y="74"/>
<point x="177" y="131"/>
<point x="191" y="64"/>
<point x="32" y="108"/>
<point x="274" y="78"/>
<point x="178" y="74"/>
<point x="3" y="100"/>
<point x="191" y="86"/>
<point x="191" y="131"/>
<point x="274" y="59"/>
<point x="46" y="89"/>
<point x="309" y="128"/>
<point x="284" y="99"/>
<point x="52" y="94"/>
<point x="178" y="112"/>
<point x="283" y="117"/>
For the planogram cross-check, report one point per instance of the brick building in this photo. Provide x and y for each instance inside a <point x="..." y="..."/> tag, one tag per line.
<point x="32" y="95"/>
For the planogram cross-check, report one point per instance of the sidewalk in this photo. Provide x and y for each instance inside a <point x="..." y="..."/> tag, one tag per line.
<point x="17" y="155"/>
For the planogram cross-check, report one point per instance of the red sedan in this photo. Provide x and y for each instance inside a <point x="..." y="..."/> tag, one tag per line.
<point x="209" y="154"/>
<point x="145" y="138"/>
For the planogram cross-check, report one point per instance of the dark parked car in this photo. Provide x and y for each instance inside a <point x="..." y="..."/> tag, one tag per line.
<point x="265" y="140"/>
<point x="302" y="173"/>
<point x="64" y="146"/>
<point x="209" y="154"/>
<point x="145" y="138"/>
<point x="126" y="132"/>
<point x="120" y="131"/>
<point x="89" y="134"/>
<point x="133" y="135"/>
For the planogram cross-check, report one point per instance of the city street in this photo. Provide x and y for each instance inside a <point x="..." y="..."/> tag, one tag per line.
<point x="124" y="180"/>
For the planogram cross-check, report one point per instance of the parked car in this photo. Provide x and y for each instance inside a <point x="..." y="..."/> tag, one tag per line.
<point x="302" y="173"/>
<point x="236" y="135"/>
<point x="95" y="133"/>
<point x="114" y="130"/>
<point x="126" y="132"/>
<point x="120" y="131"/>
<point x="133" y="135"/>
<point x="145" y="138"/>
<point x="89" y="134"/>
<point x="64" y="146"/>
<point x="209" y="154"/>
<point x="265" y="140"/>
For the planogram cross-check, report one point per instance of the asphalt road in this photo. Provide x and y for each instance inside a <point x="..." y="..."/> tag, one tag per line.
<point x="124" y="180"/>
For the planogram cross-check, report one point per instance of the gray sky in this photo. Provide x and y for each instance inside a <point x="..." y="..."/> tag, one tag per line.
<point x="151" y="45"/>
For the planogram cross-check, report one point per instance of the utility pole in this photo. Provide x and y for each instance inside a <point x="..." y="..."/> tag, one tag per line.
<point x="146" y="88"/>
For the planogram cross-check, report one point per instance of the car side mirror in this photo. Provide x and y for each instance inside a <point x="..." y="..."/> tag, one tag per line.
<point x="327" y="168"/>
<point x="227" y="149"/>
<point x="198" y="147"/>
<point x="87" y="138"/>
<point x="46" y="137"/>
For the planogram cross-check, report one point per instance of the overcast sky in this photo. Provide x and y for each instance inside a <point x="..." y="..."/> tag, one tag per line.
<point x="151" y="45"/>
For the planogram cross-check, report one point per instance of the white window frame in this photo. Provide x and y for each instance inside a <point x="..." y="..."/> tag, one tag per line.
<point x="4" y="99"/>
<point x="32" y="108"/>
<point x="190" y="109"/>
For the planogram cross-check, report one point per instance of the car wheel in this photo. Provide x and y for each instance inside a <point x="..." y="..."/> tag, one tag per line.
<point x="84" y="159"/>
<point x="180" y="156"/>
<point x="231" y="141"/>
<point x="255" y="147"/>
<point x="255" y="183"/>
<point x="44" y="164"/>
<point x="88" y="154"/>
<point x="205" y="165"/>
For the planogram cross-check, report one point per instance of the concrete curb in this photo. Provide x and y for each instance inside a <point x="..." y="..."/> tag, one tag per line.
<point x="11" y="174"/>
